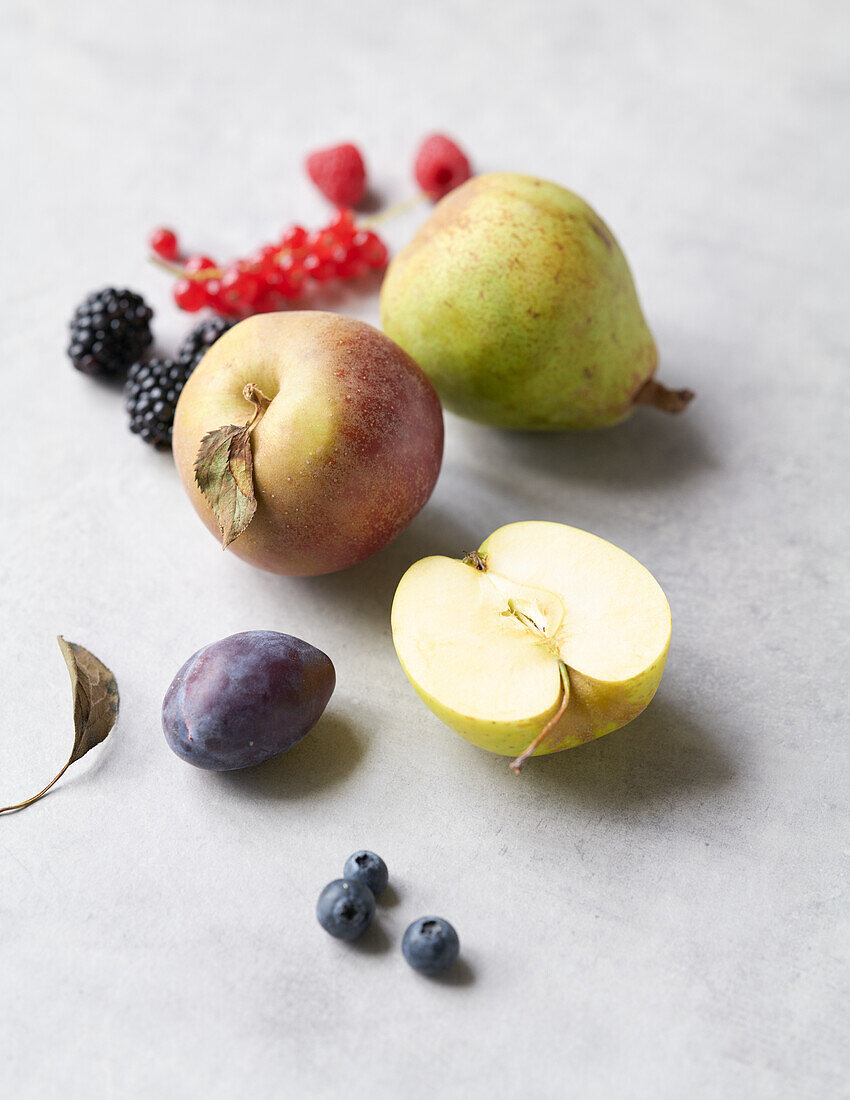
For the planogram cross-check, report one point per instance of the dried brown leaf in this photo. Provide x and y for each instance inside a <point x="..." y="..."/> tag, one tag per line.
<point x="224" y="471"/>
<point x="95" y="707"/>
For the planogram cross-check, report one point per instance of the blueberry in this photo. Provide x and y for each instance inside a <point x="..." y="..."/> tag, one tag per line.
<point x="430" y="945"/>
<point x="345" y="909"/>
<point x="367" y="868"/>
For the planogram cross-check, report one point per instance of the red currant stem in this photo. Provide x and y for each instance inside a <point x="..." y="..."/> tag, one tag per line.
<point x="192" y="276"/>
<point x="395" y="210"/>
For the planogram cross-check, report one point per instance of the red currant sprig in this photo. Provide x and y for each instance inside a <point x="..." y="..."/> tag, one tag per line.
<point x="276" y="274"/>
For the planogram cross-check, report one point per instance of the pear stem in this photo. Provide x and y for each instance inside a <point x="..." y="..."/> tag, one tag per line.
<point x="659" y="397"/>
<point x="516" y="765"/>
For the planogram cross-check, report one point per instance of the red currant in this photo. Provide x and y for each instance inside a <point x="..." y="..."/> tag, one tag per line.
<point x="282" y="286"/>
<point x="289" y="291"/>
<point x="264" y="259"/>
<point x="371" y="249"/>
<point x="267" y="301"/>
<point x="212" y="289"/>
<point x="239" y="288"/>
<point x="164" y="243"/>
<point x="292" y="268"/>
<point x="341" y="226"/>
<point x="293" y="238"/>
<point x="320" y="243"/>
<point x="292" y="275"/>
<point x="320" y="269"/>
<point x="351" y="266"/>
<point x="190" y="295"/>
<point x="197" y="263"/>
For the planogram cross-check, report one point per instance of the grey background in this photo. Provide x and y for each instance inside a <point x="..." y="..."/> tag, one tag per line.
<point x="658" y="914"/>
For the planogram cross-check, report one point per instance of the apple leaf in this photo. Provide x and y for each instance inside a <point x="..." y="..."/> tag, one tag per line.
<point x="224" y="470"/>
<point x="95" y="707"/>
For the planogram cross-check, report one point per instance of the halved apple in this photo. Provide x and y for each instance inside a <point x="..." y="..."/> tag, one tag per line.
<point x="545" y="638"/>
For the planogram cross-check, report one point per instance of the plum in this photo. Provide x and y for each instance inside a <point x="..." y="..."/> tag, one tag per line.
<point x="245" y="699"/>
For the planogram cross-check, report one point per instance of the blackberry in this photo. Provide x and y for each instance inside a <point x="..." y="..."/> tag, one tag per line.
<point x="109" y="331"/>
<point x="201" y="339"/>
<point x="151" y="396"/>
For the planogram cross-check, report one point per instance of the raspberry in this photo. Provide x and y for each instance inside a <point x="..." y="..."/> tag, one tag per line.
<point x="440" y="166"/>
<point x="339" y="173"/>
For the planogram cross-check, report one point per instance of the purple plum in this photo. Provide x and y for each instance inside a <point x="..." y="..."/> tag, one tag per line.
<point x="245" y="699"/>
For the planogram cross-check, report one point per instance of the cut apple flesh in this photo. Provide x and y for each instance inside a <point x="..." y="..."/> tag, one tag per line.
<point x="617" y="619"/>
<point x="484" y="647"/>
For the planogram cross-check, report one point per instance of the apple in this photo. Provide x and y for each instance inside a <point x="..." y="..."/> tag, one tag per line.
<point x="545" y="638"/>
<point x="333" y="427"/>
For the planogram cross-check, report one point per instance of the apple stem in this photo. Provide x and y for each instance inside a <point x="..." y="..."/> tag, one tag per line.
<point x="258" y="399"/>
<point x="659" y="397"/>
<point x="476" y="560"/>
<point x="516" y="765"/>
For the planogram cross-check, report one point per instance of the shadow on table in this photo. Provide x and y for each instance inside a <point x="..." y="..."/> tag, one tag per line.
<point x="367" y="589"/>
<point x="460" y="974"/>
<point x="665" y="756"/>
<point x="374" y="941"/>
<point x="325" y="758"/>
<point x="389" y="898"/>
<point x="651" y="448"/>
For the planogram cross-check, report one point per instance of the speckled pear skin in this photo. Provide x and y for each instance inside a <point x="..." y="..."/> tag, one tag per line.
<point x="516" y="300"/>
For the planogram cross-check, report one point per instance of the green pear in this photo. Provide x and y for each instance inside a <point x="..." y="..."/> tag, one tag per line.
<point x="514" y="297"/>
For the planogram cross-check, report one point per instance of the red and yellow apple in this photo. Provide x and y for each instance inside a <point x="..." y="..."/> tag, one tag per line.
<point x="346" y="450"/>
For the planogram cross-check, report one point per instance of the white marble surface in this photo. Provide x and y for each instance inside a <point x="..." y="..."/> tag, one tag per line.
<point x="656" y="915"/>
